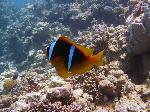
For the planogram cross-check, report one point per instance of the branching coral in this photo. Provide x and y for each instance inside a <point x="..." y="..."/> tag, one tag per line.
<point x="46" y="106"/>
<point x="31" y="82"/>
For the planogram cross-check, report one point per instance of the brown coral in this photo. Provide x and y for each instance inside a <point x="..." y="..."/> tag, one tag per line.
<point x="9" y="84"/>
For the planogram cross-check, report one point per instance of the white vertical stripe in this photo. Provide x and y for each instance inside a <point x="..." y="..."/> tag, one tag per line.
<point x="70" y="56"/>
<point x="51" y="50"/>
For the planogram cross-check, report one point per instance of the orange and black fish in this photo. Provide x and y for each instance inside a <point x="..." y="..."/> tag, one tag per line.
<point x="69" y="58"/>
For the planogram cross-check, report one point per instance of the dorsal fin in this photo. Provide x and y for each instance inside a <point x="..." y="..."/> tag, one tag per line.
<point x="86" y="51"/>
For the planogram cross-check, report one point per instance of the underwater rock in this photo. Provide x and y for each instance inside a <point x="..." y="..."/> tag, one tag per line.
<point x="144" y="92"/>
<point x="6" y="101"/>
<point x="21" y="106"/>
<point x="77" y="93"/>
<point x="130" y="103"/>
<point x="57" y="81"/>
<point x="62" y="94"/>
<point x="146" y="97"/>
<point x="107" y="87"/>
<point x="139" y="39"/>
<point x="139" y="32"/>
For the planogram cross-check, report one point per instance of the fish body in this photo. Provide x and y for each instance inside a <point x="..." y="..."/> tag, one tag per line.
<point x="70" y="58"/>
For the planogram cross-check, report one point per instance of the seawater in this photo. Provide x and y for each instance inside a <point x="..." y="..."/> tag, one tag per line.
<point x="19" y="3"/>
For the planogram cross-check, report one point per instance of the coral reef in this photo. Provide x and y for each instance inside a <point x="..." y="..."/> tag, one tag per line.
<point x="29" y="83"/>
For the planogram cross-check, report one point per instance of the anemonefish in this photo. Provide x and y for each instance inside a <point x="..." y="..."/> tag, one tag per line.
<point x="70" y="58"/>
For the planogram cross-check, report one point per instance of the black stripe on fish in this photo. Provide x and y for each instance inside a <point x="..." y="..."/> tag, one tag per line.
<point x="62" y="49"/>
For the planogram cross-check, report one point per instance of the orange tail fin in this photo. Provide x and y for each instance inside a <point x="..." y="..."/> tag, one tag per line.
<point x="98" y="58"/>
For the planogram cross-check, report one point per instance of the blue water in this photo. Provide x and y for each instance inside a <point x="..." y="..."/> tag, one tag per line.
<point x="19" y="3"/>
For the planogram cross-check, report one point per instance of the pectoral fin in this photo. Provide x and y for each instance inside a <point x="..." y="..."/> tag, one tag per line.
<point x="60" y="66"/>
